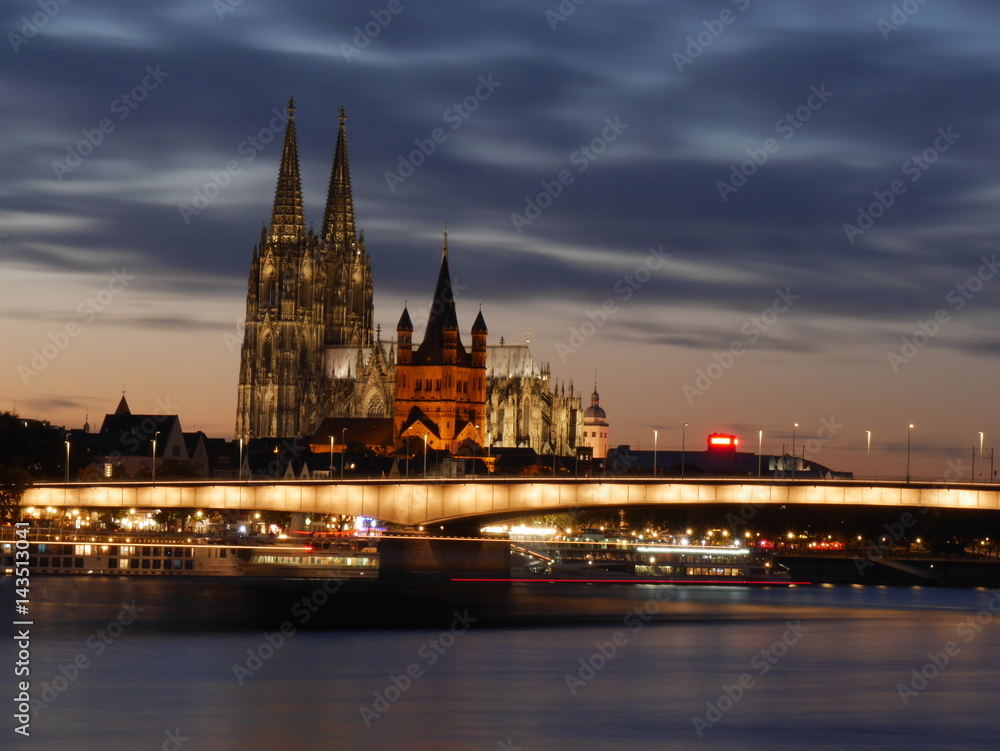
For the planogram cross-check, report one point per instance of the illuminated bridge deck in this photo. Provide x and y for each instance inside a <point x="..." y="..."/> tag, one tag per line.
<point x="416" y="502"/>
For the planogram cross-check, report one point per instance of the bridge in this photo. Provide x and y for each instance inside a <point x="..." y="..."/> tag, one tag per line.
<point x="424" y="502"/>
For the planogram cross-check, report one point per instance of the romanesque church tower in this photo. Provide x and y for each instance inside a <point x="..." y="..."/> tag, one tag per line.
<point x="441" y="386"/>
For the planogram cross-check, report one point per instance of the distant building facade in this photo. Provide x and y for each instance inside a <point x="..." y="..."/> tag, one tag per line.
<point x="596" y="426"/>
<point x="310" y="350"/>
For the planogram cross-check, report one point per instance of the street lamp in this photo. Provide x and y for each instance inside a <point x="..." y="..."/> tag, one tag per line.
<point x="331" y="455"/>
<point x="980" y="454"/>
<point x="343" y="456"/>
<point x="67" y="460"/>
<point x="683" y="441"/>
<point x="760" y="446"/>
<point x="655" y="436"/>
<point x="909" y="432"/>
<point x="794" y="426"/>
<point x="868" y="454"/>
<point x="154" y="455"/>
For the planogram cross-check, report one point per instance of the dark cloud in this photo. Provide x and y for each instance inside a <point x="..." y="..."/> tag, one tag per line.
<point x="655" y="184"/>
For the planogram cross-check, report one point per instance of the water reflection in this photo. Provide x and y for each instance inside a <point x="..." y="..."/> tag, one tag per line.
<point x="802" y="668"/>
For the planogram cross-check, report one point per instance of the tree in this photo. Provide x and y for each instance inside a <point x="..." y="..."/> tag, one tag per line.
<point x="13" y="482"/>
<point x="32" y="445"/>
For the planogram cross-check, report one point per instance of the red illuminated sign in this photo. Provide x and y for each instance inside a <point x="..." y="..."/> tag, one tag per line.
<point x="722" y="442"/>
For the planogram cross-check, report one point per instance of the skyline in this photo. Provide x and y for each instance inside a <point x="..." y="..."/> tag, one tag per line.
<point x="741" y="215"/>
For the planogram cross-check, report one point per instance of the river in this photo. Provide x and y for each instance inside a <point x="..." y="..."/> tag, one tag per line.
<point x="607" y="667"/>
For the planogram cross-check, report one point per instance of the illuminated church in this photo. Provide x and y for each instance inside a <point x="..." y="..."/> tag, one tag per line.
<point x="311" y="351"/>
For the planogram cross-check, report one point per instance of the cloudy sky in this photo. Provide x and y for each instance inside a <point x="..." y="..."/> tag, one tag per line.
<point x="741" y="214"/>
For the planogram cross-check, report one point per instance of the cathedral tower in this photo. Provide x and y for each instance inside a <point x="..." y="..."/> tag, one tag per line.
<point x="280" y="360"/>
<point x="348" y="295"/>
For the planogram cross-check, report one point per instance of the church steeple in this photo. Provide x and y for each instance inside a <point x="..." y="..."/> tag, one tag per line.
<point x="441" y="332"/>
<point x="338" y="220"/>
<point x="288" y="221"/>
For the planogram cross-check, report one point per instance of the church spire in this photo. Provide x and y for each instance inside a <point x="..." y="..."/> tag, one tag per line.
<point x="288" y="222"/>
<point x="338" y="221"/>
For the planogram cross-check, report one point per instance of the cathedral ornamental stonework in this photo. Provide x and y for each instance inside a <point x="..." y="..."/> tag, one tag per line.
<point x="311" y="350"/>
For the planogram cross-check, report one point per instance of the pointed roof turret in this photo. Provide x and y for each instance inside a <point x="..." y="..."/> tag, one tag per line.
<point x="123" y="407"/>
<point x="338" y="220"/>
<point x="442" y="316"/>
<point x="288" y="221"/>
<point x="479" y="327"/>
<point x="405" y="324"/>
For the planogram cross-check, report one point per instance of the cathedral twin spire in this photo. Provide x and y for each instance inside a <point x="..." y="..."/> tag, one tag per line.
<point x="288" y="219"/>
<point x="305" y="294"/>
<point x="338" y="219"/>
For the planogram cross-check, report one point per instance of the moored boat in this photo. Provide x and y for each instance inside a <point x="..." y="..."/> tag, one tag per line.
<point x="649" y="562"/>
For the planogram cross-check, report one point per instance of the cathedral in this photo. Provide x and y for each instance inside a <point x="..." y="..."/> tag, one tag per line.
<point x="311" y="351"/>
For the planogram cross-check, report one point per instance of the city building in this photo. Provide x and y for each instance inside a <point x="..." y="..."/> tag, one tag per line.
<point x="440" y="385"/>
<point x="310" y="350"/>
<point x="596" y="426"/>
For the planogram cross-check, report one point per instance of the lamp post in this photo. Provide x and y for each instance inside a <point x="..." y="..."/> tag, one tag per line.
<point x="980" y="454"/>
<point x="794" y="426"/>
<point x="425" y="455"/>
<point x="67" y="461"/>
<point x="154" y="456"/>
<point x="760" y="447"/>
<point x="343" y="456"/>
<point x="331" y="455"/>
<point x="683" y="446"/>
<point x="868" y="453"/>
<point x="655" y="436"/>
<point x="239" y="470"/>
<point x="909" y="432"/>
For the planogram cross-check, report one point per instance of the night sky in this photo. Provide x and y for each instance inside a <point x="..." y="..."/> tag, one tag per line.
<point x="741" y="214"/>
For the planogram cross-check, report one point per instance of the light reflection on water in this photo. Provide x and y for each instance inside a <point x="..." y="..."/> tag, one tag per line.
<point x="833" y="687"/>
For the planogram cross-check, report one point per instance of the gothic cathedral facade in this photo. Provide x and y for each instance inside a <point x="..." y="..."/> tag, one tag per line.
<point x="311" y="351"/>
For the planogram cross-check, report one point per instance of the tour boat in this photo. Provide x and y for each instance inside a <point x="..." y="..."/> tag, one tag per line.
<point x="649" y="562"/>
